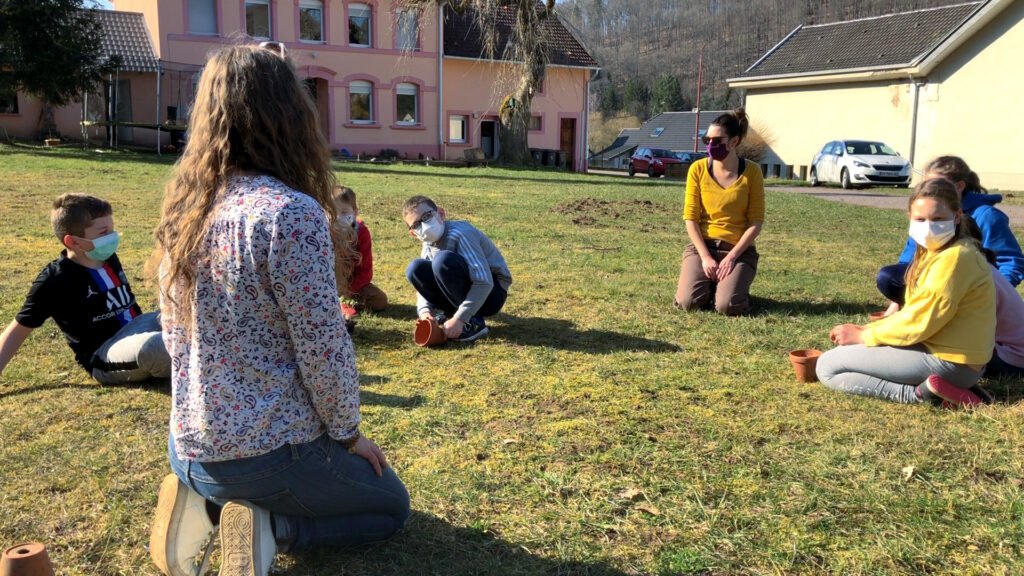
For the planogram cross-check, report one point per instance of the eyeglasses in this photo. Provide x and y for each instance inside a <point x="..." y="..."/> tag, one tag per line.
<point x="716" y="139"/>
<point x="425" y="217"/>
<point x="275" y="47"/>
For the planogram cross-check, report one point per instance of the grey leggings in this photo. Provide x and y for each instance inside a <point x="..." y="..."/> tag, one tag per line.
<point x="887" y="372"/>
<point x="135" y="354"/>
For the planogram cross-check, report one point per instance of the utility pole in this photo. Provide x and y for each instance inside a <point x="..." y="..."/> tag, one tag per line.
<point x="700" y="74"/>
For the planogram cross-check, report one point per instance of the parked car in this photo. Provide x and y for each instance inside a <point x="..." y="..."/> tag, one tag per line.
<point x="860" y="163"/>
<point x="652" y="161"/>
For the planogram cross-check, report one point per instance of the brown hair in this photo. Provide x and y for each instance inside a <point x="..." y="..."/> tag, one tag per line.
<point x="943" y="191"/>
<point x="73" y="213"/>
<point x="345" y="195"/>
<point x="734" y="123"/>
<point x="251" y="113"/>
<point x="414" y="203"/>
<point x="954" y="168"/>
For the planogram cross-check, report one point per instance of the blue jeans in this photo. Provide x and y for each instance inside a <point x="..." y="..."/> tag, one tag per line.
<point x="445" y="282"/>
<point x="891" y="282"/>
<point x="318" y="494"/>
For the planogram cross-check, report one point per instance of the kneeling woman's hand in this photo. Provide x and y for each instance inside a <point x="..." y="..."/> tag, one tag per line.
<point x="846" y="334"/>
<point x="374" y="455"/>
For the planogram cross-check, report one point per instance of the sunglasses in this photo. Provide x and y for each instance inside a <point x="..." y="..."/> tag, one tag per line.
<point x="425" y="217"/>
<point x="716" y="139"/>
<point x="275" y="47"/>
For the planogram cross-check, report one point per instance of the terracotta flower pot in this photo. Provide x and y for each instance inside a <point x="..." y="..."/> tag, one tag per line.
<point x="804" y="362"/>
<point x="876" y="316"/>
<point x="26" y="560"/>
<point x="428" y="333"/>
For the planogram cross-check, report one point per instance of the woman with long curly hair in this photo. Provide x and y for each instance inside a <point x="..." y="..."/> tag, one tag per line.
<point x="265" y="393"/>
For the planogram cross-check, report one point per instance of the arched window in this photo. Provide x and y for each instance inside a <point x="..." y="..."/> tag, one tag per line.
<point x="407" y="30"/>
<point x="359" y="29"/>
<point x="407" y="103"/>
<point x="360" y="93"/>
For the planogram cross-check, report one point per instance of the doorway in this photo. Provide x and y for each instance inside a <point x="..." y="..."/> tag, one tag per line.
<point x="489" y="139"/>
<point x="123" y="110"/>
<point x="567" y="143"/>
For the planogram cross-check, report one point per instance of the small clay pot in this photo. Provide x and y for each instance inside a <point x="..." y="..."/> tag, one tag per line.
<point x="876" y="316"/>
<point x="804" y="362"/>
<point x="26" y="560"/>
<point x="429" y="333"/>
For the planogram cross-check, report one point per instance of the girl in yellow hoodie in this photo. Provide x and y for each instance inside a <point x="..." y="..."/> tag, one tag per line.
<point x="934" y="348"/>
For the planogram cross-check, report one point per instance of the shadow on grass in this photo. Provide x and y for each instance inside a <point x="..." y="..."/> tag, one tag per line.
<point x="857" y="311"/>
<point x="92" y="153"/>
<point x="478" y="175"/>
<point x="390" y="400"/>
<point x="431" y="545"/>
<point x="1006" y="390"/>
<point x="563" y="335"/>
<point x="161" y="385"/>
<point x="398" y="311"/>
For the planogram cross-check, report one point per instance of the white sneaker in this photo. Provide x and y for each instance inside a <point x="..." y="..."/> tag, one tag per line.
<point x="246" y="540"/>
<point x="181" y="528"/>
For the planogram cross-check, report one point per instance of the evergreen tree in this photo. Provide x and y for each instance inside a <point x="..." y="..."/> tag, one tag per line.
<point x="610" y="101"/>
<point x="637" y="98"/>
<point x="49" y="49"/>
<point x="667" y="95"/>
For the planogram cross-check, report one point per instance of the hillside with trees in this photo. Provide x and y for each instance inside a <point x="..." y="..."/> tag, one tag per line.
<point x="649" y="49"/>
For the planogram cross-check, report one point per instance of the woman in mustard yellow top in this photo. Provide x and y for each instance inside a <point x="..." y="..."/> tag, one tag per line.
<point x="724" y="211"/>
<point x="935" y="347"/>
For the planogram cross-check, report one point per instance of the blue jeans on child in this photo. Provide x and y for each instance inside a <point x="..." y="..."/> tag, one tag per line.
<point x="997" y="367"/>
<point x="445" y="282"/>
<point x="317" y="493"/>
<point x="892" y="283"/>
<point x="135" y="354"/>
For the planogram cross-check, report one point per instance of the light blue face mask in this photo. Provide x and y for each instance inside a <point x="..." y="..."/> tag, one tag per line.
<point x="104" y="247"/>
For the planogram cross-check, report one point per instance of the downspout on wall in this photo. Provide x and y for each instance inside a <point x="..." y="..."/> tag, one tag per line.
<point x="440" y="83"/>
<point x="913" y="118"/>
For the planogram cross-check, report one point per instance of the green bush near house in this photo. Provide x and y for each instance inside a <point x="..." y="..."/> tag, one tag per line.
<point x="595" y="431"/>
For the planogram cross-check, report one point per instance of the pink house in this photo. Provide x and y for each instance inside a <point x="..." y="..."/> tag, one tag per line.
<point x="417" y="83"/>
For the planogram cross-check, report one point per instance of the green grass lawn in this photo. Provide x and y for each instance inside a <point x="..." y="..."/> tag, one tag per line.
<point x="596" y="431"/>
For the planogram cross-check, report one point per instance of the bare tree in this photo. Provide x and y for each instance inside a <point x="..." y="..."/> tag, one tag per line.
<point x="523" y="23"/>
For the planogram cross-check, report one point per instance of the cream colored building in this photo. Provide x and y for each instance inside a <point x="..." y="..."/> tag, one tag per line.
<point x="929" y="82"/>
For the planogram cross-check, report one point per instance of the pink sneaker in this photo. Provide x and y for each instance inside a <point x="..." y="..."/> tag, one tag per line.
<point x="349" y="311"/>
<point x="952" y="396"/>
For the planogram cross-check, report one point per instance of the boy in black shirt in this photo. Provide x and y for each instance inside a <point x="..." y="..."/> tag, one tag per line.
<point x="87" y="294"/>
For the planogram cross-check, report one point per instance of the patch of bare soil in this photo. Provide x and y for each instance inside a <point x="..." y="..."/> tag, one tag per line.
<point x="591" y="211"/>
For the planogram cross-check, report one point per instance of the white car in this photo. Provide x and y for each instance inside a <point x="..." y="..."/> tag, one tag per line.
<point x="859" y="163"/>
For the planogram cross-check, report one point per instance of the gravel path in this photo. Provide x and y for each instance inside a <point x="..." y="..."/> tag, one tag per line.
<point x="882" y="200"/>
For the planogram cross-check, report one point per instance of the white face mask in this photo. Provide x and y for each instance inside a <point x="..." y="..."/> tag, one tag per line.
<point x="347" y="219"/>
<point x="933" y="234"/>
<point x="431" y="230"/>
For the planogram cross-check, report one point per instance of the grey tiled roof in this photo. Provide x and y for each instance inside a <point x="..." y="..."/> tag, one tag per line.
<point x="125" y="34"/>
<point x="463" y="38"/>
<point x="678" y="133"/>
<point x="624" y="142"/>
<point x="883" y="41"/>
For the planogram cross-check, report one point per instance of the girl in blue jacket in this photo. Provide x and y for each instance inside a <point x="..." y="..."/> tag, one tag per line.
<point x="976" y="203"/>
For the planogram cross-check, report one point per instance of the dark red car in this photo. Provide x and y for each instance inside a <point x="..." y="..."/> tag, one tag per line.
<point x="652" y="161"/>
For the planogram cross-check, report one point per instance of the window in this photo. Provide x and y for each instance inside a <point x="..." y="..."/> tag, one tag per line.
<point x="257" y="18"/>
<point x="8" y="101"/>
<point x="407" y="30"/>
<point x="359" y="25"/>
<point x="457" y="129"/>
<point x="202" y="17"/>
<point x="360" y="102"/>
<point x="536" y="123"/>
<point x="311" y="20"/>
<point x="405" y="97"/>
